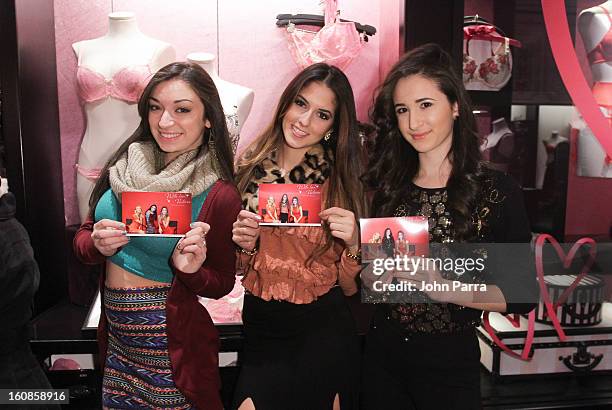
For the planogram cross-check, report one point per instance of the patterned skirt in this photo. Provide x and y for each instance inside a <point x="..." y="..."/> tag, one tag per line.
<point x="137" y="372"/>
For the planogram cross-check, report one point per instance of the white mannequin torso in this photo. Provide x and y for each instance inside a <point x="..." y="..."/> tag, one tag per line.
<point x="593" y="25"/>
<point x="236" y="100"/>
<point x="550" y="144"/>
<point x="554" y="140"/>
<point x="500" y="128"/>
<point x="111" y="121"/>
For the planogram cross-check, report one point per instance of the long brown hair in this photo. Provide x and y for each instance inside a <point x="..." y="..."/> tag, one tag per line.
<point x="345" y="189"/>
<point x="394" y="163"/>
<point x="205" y="88"/>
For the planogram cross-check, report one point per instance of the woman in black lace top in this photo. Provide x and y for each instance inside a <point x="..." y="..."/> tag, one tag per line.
<point x="426" y="161"/>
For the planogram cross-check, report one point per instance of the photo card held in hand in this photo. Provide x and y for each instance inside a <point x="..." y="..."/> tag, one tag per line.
<point x="289" y="204"/>
<point x="160" y="214"/>
<point x="392" y="237"/>
<point x="389" y="248"/>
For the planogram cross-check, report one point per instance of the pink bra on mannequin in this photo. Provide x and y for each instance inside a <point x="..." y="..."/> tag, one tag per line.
<point x="127" y="84"/>
<point x="337" y="43"/>
<point x="602" y="53"/>
<point x="495" y="71"/>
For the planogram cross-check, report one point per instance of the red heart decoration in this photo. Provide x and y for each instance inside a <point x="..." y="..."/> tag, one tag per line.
<point x="550" y="308"/>
<point x="567" y="262"/>
<point x="566" y="59"/>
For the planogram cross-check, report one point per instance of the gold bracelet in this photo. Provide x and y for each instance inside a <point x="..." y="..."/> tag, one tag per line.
<point x="250" y="253"/>
<point x="354" y="257"/>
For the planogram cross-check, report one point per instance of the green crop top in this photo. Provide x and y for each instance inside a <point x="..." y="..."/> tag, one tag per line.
<point x="145" y="256"/>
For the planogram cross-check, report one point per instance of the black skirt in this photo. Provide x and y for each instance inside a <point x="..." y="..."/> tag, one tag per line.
<point x="299" y="356"/>
<point x="419" y="371"/>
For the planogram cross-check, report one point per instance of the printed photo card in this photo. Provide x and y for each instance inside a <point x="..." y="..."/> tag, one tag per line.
<point x="156" y="213"/>
<point x="389" y="247"/>
<point x="290" y="204"/>
<point x="383" y="238"/>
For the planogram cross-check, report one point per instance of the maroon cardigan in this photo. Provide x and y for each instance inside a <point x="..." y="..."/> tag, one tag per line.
<point x="193" y="340"/>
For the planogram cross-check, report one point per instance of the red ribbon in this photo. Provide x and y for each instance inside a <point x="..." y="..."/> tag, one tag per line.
<point x="566" y="59"/>
<point x="516" y="323"/>
<point x="479" y="30"/>
<point x="484" y="32"/>
<point x="567" y="261"/>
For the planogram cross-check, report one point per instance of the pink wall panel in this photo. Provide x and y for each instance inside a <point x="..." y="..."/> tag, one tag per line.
<point x="256" y="56"/>
<point x="75" y="20"/>
<point x="189" y="25"/>
<point x="251" y="51"/>
<point x="390" y="20"/>
<point x="364" y="70"/>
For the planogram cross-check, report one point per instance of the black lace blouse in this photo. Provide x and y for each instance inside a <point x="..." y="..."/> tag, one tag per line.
<point x="499" y="217"/>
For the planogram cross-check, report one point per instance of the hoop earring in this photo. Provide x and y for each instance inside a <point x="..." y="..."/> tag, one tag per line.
<point x="327" y="135"/>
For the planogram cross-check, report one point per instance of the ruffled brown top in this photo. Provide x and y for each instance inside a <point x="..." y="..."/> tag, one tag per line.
<point x="279" y="270"/>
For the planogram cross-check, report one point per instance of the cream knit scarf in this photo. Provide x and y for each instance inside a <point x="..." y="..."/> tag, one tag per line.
<point x="141" y="169"/>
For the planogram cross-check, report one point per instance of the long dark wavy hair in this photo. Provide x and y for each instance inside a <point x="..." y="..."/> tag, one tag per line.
<point x="201" y="83"/>
<point x="394" y="163"/>
<point x="388" y="242"/>
<point x="345" y="188"/>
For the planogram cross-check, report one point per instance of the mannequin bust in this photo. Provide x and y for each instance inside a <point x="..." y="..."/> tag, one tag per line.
<point x="498" y="146"/>
<point x="112" y="70"/>
<point x="237" y="100"/>
<point x="595" y="27"/>
<point x="551" y="143"/>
